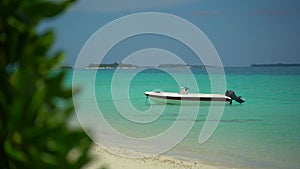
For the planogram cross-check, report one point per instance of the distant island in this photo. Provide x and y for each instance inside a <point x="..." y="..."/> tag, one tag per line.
<point x="111" y="66"/>
<point x="131" y="66"/>
<point x="275" y="65"/>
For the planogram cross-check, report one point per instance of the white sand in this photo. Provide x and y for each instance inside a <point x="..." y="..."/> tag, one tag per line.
<point x="112" y="161"/>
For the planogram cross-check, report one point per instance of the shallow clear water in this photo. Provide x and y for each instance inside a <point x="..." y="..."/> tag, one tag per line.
<point x="264" y="132"/>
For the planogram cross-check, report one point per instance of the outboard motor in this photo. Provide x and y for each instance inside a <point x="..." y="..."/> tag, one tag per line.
<point x="232" y="95"/>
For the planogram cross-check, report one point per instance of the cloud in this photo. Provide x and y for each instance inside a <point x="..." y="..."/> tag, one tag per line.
<point x="273" y="12"/>
<point x="207" y="13"/>
<point x="122" y="5"/>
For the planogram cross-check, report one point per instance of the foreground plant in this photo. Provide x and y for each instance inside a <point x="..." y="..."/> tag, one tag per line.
<point x="34" y="104"/>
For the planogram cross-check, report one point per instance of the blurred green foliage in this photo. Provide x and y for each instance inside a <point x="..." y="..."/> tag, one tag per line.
<point x="33" y="128"/>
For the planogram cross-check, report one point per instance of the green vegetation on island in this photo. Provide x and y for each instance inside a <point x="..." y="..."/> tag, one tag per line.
<point x="132" y="66"/>
<point x="173" y="66"/>
<point x="110" y="66"/>
<point x="275" y="65"/>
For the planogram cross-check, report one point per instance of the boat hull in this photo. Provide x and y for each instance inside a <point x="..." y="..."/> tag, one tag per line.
<point x="192" y="98"/>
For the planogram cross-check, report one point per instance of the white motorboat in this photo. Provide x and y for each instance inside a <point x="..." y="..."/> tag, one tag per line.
<point x="190" y="98"/>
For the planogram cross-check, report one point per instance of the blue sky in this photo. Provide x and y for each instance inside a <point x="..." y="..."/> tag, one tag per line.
<point x="243" y="32"/>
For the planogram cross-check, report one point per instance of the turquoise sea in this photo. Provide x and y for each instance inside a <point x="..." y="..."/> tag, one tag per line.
<point x="264" y="132"/>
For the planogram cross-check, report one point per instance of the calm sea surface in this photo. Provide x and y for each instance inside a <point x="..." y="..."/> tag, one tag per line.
<point x="264" y="132"/>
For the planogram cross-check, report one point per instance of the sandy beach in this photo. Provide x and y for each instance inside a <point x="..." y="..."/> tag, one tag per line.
<point x="109" y="160"/>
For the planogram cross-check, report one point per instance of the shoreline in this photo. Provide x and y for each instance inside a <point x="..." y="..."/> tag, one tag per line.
<point x="104" y="158"/>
